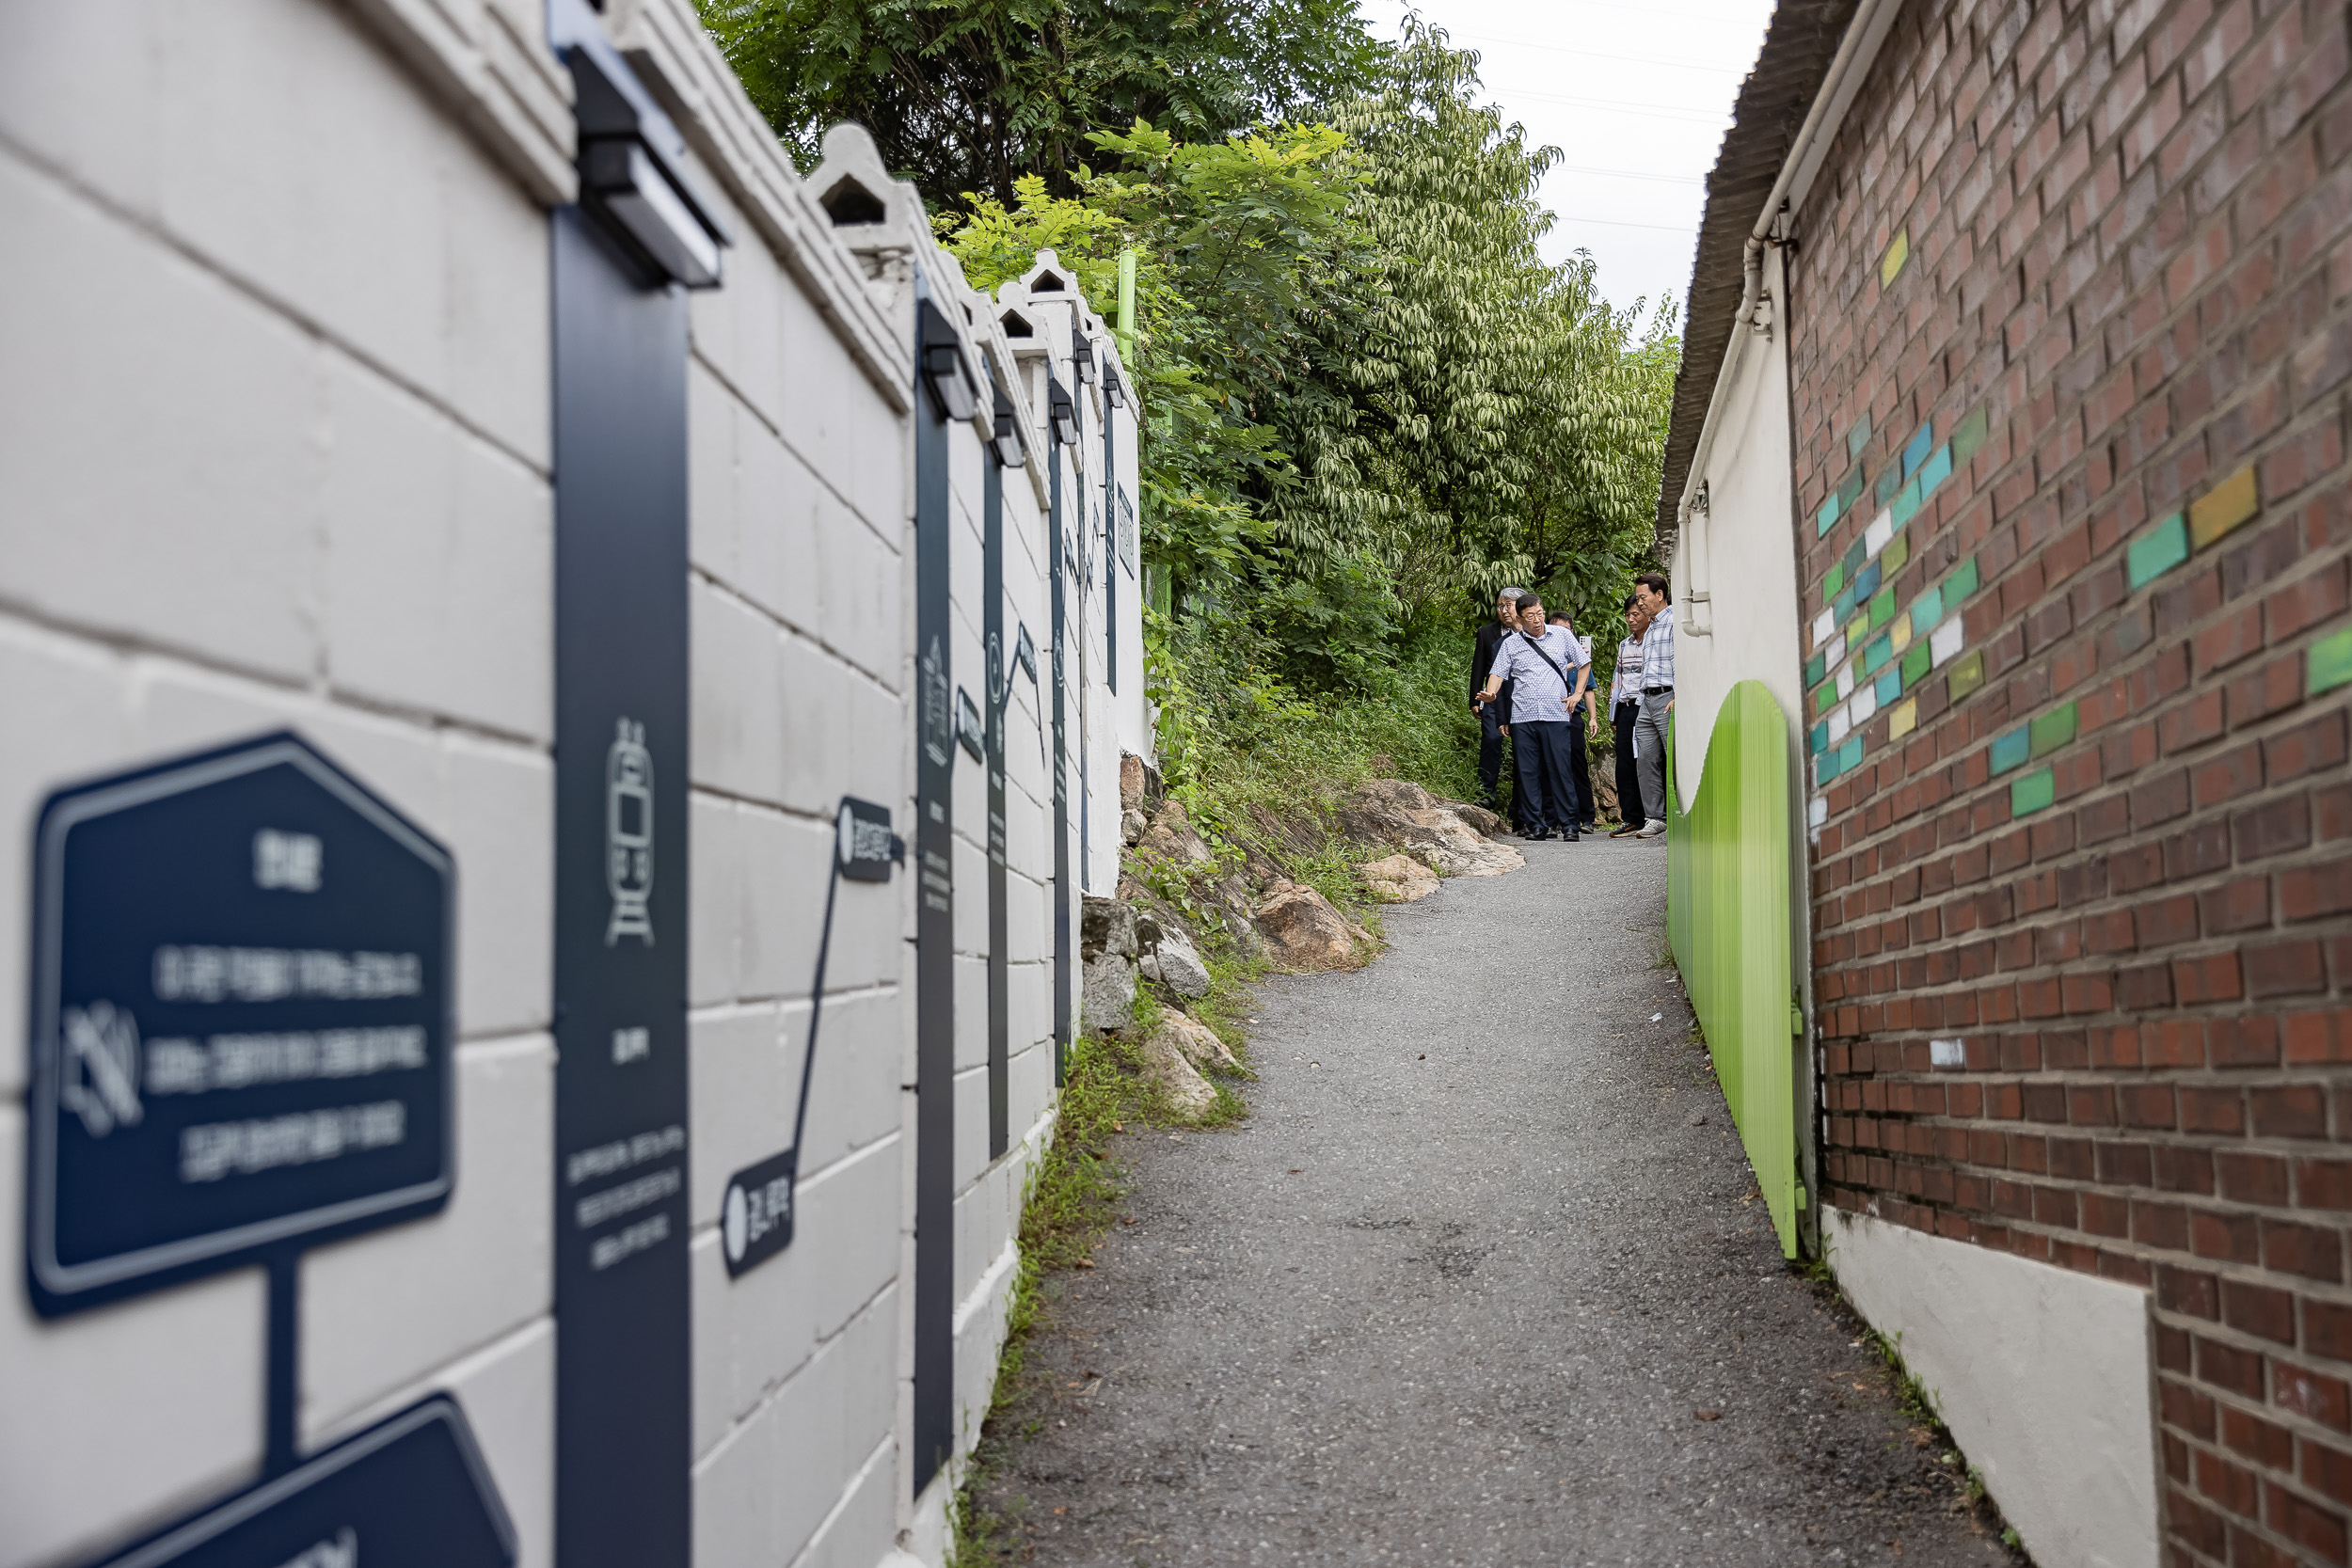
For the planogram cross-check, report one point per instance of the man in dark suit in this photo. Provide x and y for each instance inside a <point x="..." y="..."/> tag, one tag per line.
<point x="1494" y="715"/>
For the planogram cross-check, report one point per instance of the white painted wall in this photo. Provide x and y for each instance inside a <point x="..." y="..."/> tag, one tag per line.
<point x="1735" y="569"/>
<point x="275" y="451"/>
<point x="2041" y="1372"/>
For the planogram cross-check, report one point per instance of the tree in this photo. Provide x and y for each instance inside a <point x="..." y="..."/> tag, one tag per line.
<point x="965" y="97"/>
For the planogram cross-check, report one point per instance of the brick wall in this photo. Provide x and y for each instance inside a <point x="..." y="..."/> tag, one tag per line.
<point x="2069" y="338"/>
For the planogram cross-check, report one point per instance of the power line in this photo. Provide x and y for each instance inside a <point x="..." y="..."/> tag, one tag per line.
<point x="1630" y="174"/>
<point x="1620" y="223"/>
<point x="1596" y="55"/>
<point x="1652" y="111"/>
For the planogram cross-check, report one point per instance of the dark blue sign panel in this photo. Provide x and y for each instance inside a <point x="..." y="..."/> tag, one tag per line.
<point x="239" y="1019"/>
<point x="412" y="1489"/>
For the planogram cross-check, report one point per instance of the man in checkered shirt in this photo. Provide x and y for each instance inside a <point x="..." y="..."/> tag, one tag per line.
<point x="1655" y="599"/>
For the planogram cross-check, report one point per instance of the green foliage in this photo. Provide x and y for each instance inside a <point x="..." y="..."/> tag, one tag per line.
<point x="970" y="95"/>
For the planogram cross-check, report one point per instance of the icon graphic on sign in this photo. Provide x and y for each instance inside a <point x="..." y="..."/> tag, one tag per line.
<point x="938" y="728"/>
<point x="292" y="862"/>
<point x="629" y="832"/>
<point x="101" y="1058"/>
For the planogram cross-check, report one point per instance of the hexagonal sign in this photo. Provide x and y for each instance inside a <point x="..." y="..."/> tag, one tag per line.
<point x="241" y="1020"/>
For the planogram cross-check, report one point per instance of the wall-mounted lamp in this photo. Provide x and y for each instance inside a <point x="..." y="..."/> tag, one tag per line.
<point x="1113" y="388"/>
<point x="1082" y="356"/>
<point x="630" y="175"/>
<point x="1062" y="413"/>
<point x="1011" y="450"/>
<point x="620" y="176"/>
<point x="944" y="370"/>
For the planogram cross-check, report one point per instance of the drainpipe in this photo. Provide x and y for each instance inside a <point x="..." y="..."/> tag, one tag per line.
<point x="1855" y="51"/>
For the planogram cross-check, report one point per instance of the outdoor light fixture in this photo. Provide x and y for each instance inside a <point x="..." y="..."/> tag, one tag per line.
<point x="1112" y="387"/>
<point x="1011" y="451"/>
<point x="944" y="370"/>
<point x="647" y="201"/>
<point x="1061" y="414"/>
<point x="1082" y="356"/>
<point x="630" y="151"/>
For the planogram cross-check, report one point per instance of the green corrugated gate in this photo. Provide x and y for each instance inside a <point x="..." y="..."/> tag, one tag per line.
<point x="1727" y="917"/>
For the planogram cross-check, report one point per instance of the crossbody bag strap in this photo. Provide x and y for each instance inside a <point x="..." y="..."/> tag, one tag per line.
<point x="1568" y="684"/>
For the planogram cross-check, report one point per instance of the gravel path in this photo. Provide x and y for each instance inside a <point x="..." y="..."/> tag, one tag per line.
<point x="1465" y="1287"/>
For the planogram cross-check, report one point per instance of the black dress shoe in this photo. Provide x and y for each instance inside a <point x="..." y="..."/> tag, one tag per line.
<point x="1538" y="835"/>
<point x="1570" y="836"/>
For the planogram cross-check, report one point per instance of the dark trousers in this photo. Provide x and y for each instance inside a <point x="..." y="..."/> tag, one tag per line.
<point x="1547" y="789"/>
<point x="1492" y="718"/>
<point x="1628" y="776"/>
<point x="1581" y="771"/>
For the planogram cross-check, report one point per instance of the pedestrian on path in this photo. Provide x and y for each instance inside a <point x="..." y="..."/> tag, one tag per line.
<point x="1624" y="711"/>
<point x="1580" y="748"/>
<point x="1547" y="681"/>
<point x="1494" y="713"/>
<point x="1658" y="696"/>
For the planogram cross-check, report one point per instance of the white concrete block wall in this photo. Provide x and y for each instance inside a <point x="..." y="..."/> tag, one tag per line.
<point x="274" y="445"/>
<point x="274" y="453"/>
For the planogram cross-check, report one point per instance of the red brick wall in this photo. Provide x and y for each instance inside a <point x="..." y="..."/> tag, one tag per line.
<point x="2129" y="232"/>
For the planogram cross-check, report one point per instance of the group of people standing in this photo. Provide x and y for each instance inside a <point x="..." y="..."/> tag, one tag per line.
<point x="1530" y="676"/>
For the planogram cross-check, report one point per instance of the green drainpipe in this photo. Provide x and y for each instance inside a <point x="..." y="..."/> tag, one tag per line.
<point x="1127" y="309"/>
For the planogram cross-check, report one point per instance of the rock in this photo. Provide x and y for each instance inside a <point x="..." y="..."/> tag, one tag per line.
<point x="1398" y="880"/>
<point x="1478" y="818"/>
<point x="1131" y="825"/>
<point x="1189" y="1094"/>
<point x="1392" y="811"/>
<point x="1303" y="932"/>
<point x="1197" y="1041"/>
<point x="1172" y="837"/>
<point x="1107" y="925"/>
<point x="1132" y="784"/>
<point x="1174" y="963"/>
<point x="1107" y="995"/>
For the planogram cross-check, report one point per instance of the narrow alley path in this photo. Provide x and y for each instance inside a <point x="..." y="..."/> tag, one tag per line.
<point x="1465" y="1288"/>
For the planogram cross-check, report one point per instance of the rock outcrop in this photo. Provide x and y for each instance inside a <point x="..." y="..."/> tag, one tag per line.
<point x="1392" y="811"/>
<point x="1303" y="932"/>
<point x="1166" y="1065"/>
<point x="1172" y="959"/>
<point x="1398" y="880"/>
<point x="1106" y="996"/>
<point x="1199" y="1043"/>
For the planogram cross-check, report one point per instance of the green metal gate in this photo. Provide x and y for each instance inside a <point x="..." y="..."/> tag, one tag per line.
<point x="1727" y="917"/>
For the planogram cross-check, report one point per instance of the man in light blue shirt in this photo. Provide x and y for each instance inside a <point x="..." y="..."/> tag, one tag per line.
<point x="1547" y="678"/>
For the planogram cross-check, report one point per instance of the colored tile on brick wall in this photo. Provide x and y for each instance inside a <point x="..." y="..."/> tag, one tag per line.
<point x="2031" y="793"/>
<point x="1888" y="484"/>
<point x="1881" y="531"/>
<point x="2012" y="749"/>
<point x="1898" y="252"/>
<point x="1966" y="678"/>
<point x="2329" y="662"/>
<point x="1917" y="660"/>
<point x="2049" y="731"/>
<point x="1815" y="668"/>
<point x="1926" y="611"/>
<point x="1866" y="581"/>
<point x="1823" y="697"/>
<point x="1916" y="451"/>
<point x="1906" y="503"/>
<point x="1843" y="680"/>
<point x="1840" y="724"/>
<point x="1945" y="642"/>
<point x="1851" y="491"/>
<point x="1854" y="558"/>
<point x="1835" y="579"/>
<point x="1968" y="438"/>
<point x="1889" y="687"/>
<point x="1878" y="653"/>
<point x="1882" y="608"/>
<point x="1900" y="633"/>
<point x="1903" y="720"/>
<point x="2156" y="551"/>
<point x="1860" y="625"/>
<point x="1842" y="606"/>
<point x="1849" y="754"/>
<point x="1858" y="437"/>
<point x="1962" y="582"/>
<point x="1824" y="624"/>
<point x="1834" y="649"/>
<point x="1818" y="738"/>
<point x="1826" y="518"/>
<point x="1865" y="703"/>
<point x="1937" y="468"/>
<point x="1898" y="552"/>
<point x="2223" y="507"/>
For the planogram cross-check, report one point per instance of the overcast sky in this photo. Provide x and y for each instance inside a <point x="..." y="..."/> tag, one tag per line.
<point x="1635" y="96"/>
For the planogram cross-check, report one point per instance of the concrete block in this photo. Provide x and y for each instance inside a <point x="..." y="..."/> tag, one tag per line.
<point x="738" y="735"/>
<point x="713" y="842"/>
<point x="971" y="1096"/>
<point x="786" y="861"/>
<point x="123" y="1415"/>
<point x="830" y="718"/>
<point x="762" y="1492"/>
<point x="501" y="828"/>
<point x="866" y="1514"/>
<point x="440" y="564"/>
<point x="153" y="414"/>
<point x="781" y="511"/>
<point x="860" y="577"/>
<point x="381" y="1310"/>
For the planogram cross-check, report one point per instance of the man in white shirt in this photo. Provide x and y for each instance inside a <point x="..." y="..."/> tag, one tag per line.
<point x="1624" y="711"/>
<point x="1548" y="680"/>
<point x="1579" y="754"/>
<point x="1658" y="697"/>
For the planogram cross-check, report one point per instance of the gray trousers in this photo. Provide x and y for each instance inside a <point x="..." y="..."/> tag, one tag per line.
<point x="1650" y="740"/>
